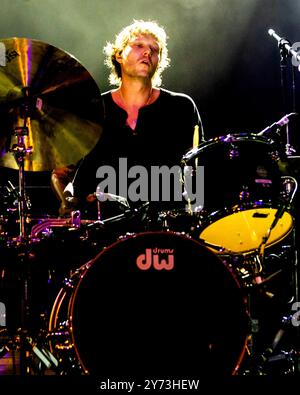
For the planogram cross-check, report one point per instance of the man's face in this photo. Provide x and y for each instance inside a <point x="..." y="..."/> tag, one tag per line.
<point x="140" y="57"/>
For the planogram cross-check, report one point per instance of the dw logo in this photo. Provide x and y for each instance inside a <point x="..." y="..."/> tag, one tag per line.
<point x="2" y="314"/>
<point x="153" y="257"/>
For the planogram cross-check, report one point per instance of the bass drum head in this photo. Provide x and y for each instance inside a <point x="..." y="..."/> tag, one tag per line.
<point x="158" y="303"/>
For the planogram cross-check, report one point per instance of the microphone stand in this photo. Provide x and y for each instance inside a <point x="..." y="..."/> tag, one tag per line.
<point x="290" y="184"/>
<point x="20" y="151"/>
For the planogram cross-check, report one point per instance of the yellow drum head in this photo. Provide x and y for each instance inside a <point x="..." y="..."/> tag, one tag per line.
<point x="243" y="231"/>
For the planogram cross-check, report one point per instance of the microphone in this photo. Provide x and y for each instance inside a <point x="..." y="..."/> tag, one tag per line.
<point x="276" y="125"/>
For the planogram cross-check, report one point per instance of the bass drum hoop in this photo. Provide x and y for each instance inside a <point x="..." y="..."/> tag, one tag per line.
<point x="69" y="295"/>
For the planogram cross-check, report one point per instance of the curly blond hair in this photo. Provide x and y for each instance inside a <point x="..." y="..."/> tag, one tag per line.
<point x="125" y="36"/>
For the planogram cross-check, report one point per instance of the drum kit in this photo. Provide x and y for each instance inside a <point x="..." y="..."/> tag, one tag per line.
<point x="185" y="293"/>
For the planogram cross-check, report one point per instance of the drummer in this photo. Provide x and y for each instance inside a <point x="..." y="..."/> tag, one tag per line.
<point x="144" y="125"/>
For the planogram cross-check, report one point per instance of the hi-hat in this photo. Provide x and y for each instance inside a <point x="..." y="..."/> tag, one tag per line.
<point x="50" y="93"/>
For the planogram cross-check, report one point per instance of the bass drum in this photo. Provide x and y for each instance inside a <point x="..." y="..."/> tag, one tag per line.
<point x="155" y="304"/>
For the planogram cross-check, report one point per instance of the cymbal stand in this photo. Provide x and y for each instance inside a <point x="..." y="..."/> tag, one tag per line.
<point x="29" y="348"/>
<point x="20" y="151"/>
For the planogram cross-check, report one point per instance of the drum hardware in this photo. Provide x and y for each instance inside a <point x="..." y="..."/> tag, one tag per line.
<point x="296" y="285"/>
<point x="36" y="83"/>
<point x="257" y="266"/>
<point x="283" y="360"/>
<point x="44" y="226"/>
<point x="281" y="354"/>
<point x="104" y="196"/>
<point x="5" y="341"/>
<point x="141" y="212"/>
<point x="18" y="316"/>
<point x="20" y="151"/>
<point x="187" y="175"/>
<point x="241" y="193"/>
<point x="163" y="221"/>
<point x="12" y="191"/>
<point x="261" y="248"/>
<point x="250" y="270"/>
<point x="256" y="216"/>
<point x="287" y="196"/>
<point x="286" y="51"/>
<point x="176" y="220"/>
<point x="121" y="323"/>
<point x="59" y="337"/>
<point x="214" y="247"/>
<point x="276" y="126"/>
<point x="250" y="265"/>
<point x="40" y="357"/>
<point x="234" y="151"/>
<point x="244" y="195"/>
<point x="244" y="224"/>
<point x="25" y="343"/>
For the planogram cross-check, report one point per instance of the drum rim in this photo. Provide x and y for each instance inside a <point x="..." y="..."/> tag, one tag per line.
<point x="227" y="139"/>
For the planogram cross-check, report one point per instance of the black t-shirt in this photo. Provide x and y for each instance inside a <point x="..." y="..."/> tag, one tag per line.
<point x="163" y="133"/>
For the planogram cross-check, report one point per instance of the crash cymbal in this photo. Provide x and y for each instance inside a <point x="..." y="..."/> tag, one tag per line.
<point x="54" y="96"/>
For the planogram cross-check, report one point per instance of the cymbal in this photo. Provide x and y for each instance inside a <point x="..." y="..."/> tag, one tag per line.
<point x="47" y="91"/>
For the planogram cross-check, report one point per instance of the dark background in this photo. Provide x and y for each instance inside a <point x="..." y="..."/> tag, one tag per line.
<point x="221" y="55"/>
<point x="220" y="50"/>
